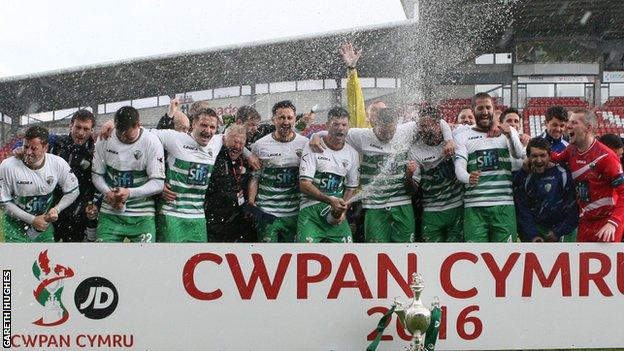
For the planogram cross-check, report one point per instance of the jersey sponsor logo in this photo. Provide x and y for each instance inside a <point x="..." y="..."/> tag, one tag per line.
<point x="36" y="204"/>
<point x="138" y="154"/>
<point x="24" y="182"/>
<point x="323" y="158"/>
<point x="189" y="147"/>
<point x="582" y="191"/>
<point x="444" y="171"/>
<point x="197" y="174"/>
<point x="330" y="183"/>
<point x="582" y="162"/>
<point x="376" y="146"/>
<point x="487" y="160"/>
<point x="287" y="177"/>
<point x="276" y="154"/>
<point x="429" y="158"/>
<point x="112" y="151"/>
<point x="475" y="137"/>
<point x="123" y="179"/>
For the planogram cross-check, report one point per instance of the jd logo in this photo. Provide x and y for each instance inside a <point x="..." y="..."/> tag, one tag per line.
<point x="96" y="298"/>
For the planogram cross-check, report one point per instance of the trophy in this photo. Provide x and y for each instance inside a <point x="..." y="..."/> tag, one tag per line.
<point x="416" y="318"/>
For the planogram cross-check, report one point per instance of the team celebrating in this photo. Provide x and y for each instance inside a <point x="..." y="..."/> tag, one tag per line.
<point x="193" y="179"/>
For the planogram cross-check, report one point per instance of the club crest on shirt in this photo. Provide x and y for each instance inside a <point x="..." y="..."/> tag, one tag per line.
<point x="138" y="154"/>
<point x="49" y="180"/>
<point x="547" y="187"/>
<point x="299" y="152"/>
<point x="345" y="163"/>
<point x="84" y="164"/>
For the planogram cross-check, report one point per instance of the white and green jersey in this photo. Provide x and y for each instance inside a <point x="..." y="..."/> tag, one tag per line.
<point x="32" y="189"/>
<point x="492" y="157"/>
<point x="435" y="173"/>
<point x="330" y="171"/>
<point x="189" y="168"/>
<point x="383" y="165"/>
<point x="278" y="180"/>
<point x="130" y="166"/>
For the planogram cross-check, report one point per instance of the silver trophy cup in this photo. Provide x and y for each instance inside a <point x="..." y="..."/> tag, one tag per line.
<point x="416" y="317"/>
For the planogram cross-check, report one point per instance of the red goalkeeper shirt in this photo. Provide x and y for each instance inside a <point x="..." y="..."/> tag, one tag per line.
<point x="599" y="182"/>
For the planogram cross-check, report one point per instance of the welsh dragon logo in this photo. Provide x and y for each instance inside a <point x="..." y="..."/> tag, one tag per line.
<point x="48" y="292"/>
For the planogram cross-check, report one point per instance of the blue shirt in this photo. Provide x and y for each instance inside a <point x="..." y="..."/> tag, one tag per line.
<point x="556" y="145"/>
<point x="545" y="200"/>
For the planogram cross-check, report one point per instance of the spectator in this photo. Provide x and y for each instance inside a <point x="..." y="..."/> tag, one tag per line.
<point x="599" y="181"/>
<point x="544" y="198"/>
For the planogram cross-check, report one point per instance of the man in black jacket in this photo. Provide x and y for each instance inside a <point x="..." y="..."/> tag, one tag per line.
<point x="226" y="195"/>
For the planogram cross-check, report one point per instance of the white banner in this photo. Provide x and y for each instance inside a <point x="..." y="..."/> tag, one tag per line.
<point x="307" y="297"/>
<point x="556" y="79"/>
<point x="613" y="77"/>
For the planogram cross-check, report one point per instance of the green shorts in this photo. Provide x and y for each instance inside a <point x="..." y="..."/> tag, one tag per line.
<point x="490" y="224"/>
<point x="389" y="225"/>
<point x="312" y="227"/>
<point x="443" y="226"/>
<point x="15" y="232"/>
<point x="173" y="229"/>
<point x="115" y="228"/>
<point x="282" y="230"/>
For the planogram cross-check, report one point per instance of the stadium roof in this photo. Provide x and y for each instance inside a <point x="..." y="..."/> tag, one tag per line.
<point x="602" y="19"/>
<point x="288" y="59"/>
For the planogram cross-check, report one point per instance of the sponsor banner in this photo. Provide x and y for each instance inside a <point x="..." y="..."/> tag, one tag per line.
<point x="308" y="297"/>
<point x="613" y="77"/>
<point x="556" y="79"/>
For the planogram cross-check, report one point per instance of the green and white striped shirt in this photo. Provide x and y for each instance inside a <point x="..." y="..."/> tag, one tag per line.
<point x="492" y="157"/>
<point x="383" y="166"/>
<point x="189" y="169"/>
<point x="435" y="173"/>
<point x="130" y="166"/>
<point x="330" y="171"/>
<point x="278" y="180"/>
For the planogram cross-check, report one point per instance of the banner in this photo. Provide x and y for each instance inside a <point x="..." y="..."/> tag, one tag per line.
<point x="613" y="77"/>
<point x="307" y="297"/>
